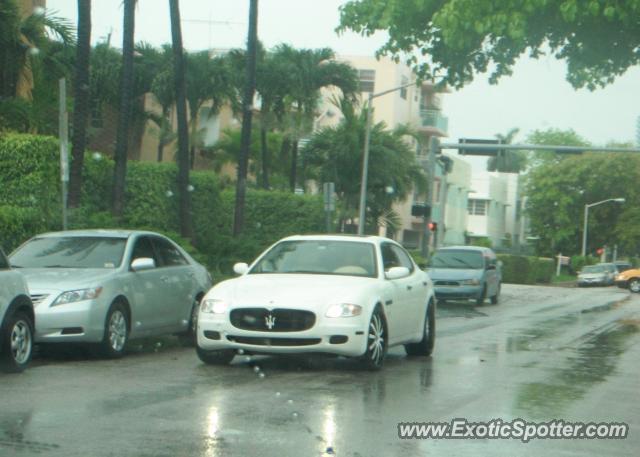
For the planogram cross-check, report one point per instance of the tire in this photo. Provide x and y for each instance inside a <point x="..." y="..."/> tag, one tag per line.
<point x="496" y="298"/>
<point x="189" y="337"/>
<point x="116" y="332"/>
<point x="634" y="285"/>
<point x="425" y="347"/>
<point x="220" y="357"/>
<point x="480" y="300"/>
<point x="17" y="343"/>
<point x="373" y="357"/>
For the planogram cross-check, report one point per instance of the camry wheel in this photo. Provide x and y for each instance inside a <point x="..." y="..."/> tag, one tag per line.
<point x="373" y="357"/>
<point x="116" y="331"/>
<point x="634" y="285"/>
<point x="17" y="344"/>
<point x="425" y="346"/>
<point x="220" y="357"/>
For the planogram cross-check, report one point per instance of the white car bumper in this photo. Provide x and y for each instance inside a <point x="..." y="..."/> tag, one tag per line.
<point x="338" y="336"/>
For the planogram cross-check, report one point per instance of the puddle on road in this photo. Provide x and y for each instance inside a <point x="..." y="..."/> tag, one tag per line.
<point x="585" y="366"/>
<point x="12" y="436"/>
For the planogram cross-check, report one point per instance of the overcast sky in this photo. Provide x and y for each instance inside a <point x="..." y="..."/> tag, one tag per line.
<point x="537" y="96"/>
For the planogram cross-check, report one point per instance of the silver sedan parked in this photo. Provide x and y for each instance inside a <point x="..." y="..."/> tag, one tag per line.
<point x="109" y="286"/>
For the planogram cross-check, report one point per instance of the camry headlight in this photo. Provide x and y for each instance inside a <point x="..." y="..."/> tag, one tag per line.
<point x="72" y="296"/>
<point x="344" y="310"/>
<point x="214" y="306"/>
<point x="470" y="282"/>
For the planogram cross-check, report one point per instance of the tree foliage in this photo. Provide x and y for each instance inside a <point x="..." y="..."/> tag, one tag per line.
<point x="597" y="38"/>
<point x="558" y="191"/>
<point x="334" y="154"/>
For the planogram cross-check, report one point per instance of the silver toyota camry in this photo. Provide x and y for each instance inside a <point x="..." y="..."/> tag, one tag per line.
<point x="109" y="286"/>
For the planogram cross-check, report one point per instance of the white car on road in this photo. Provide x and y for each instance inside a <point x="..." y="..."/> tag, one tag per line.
<point x="352" y="296"/>
<point x="16" y="319"/>
<point x="109" y="286"/>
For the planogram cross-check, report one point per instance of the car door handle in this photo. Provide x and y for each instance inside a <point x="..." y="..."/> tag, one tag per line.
<point x="425" y="283"/>
<point x="191" y="274"/>
<point x="409" y="287"/>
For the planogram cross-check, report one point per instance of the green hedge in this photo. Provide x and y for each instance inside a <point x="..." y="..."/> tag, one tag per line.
<point x="30" y="203"/>
<point x="517" y="269"/>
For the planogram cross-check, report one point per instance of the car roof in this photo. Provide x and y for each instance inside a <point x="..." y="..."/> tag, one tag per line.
<point x="107" y="233"/>
<point x="465" y="248"/>
<point x="340" y="237"/>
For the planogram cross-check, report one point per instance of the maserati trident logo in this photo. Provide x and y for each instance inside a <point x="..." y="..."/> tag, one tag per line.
<point x="270" y="321"/>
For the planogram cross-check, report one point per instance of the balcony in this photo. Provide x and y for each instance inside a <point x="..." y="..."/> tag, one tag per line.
<point x="433" y="122"/>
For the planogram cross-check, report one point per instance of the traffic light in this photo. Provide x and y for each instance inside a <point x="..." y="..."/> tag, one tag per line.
<point x="433" y="226"/>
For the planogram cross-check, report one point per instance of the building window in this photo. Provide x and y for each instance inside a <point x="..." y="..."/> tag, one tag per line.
<point x="477" y="207"/>
<point x="403" y="92"/>
<point x="367" y="80"/>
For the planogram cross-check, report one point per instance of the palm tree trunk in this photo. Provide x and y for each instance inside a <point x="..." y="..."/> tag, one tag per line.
<point x="265" y="156"/>
<point x="247" y="112"/>
<point x="186" y="226"/>
<point x="81" y="102"/>
<point x="124" y="115"/>
<point x="293" y="174"/>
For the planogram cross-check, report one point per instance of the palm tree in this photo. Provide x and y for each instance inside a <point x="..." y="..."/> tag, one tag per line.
<point x="314" y="69"/>
<point x="186" y="226"/>
<point x="207" y="80"/>
<point x="508" y="161"/>
<point x="247" y="112"/>
<point x="124" y="115"/>
<point x="21" y="41"/>
<point x="334" y="154"/>
<point x="81" y="101"/>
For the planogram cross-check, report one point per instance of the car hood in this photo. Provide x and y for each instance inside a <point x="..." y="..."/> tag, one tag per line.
<point x="302" y="291"/>
<point x="592" y="275"/>
<point x="62" y="279"/>
<point x="454" y="274"/>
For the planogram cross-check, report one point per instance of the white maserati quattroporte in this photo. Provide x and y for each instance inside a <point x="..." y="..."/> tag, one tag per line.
<point x="352" y="296"/>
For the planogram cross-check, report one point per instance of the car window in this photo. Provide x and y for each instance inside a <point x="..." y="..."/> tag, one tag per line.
<point x="169" y="255"/>
<point x="4" y="263"/>
<point x="389" y="256"/>
<point x="403" y="257"/>
<point x="143" y="249"/>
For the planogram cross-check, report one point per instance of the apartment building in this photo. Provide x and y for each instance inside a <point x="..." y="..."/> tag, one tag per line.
<point x="495" y="209"/>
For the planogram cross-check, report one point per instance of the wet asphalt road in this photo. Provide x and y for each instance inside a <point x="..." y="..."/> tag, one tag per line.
<point x="542" y="353"/>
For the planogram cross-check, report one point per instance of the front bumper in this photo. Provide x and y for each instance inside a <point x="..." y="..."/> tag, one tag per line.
<point x="458" y="292"/>
<point x="81" y="322"/>
<point x="216" y="333"/>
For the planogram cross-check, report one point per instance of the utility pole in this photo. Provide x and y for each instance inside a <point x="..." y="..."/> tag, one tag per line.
<point x="433" y="149"/>
<point x="63" y="128"/>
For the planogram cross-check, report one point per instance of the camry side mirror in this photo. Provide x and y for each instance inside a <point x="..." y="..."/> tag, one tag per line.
<point x="240" y="268"/>
<point x="143" y="263"/>
<point x="397" y="273"/>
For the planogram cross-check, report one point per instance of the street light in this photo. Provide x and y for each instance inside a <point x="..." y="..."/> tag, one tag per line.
<point x="365" y="158"/>
<point x="586" y="220"/>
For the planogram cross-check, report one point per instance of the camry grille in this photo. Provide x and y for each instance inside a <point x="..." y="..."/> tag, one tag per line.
<point x="275" y="320"/>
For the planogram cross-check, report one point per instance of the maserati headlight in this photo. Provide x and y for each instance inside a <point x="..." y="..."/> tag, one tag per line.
<point x="344" y="310"/>
<point x="214" y="306"/>
<point x="72" y="296"/>
<point x="470" y="282"/>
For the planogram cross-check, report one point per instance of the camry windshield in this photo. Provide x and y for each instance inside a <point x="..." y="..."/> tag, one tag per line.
<point x="593" y="269"/>
<point x="457" y="259"/>
<point x="320" y="257"/>
<point x="70" y="252"/>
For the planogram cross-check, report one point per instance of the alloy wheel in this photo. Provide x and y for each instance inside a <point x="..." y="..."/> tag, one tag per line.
<point x="117" y="330"/>
<point x="376" y="340"/>
<point x="21" y="342"/>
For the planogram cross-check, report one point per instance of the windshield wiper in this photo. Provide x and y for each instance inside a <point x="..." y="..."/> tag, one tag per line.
<point x="16" y="266"/>
<point x="55" y="266"/>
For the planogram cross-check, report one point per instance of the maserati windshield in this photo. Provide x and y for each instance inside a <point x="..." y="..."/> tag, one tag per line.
<point x="320" y="257"/>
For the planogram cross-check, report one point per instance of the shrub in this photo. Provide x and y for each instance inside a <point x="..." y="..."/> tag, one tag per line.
<point x="519" y="269"/>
